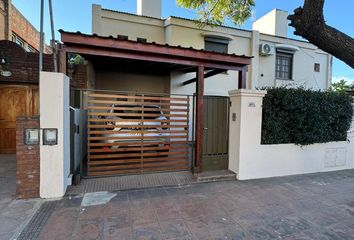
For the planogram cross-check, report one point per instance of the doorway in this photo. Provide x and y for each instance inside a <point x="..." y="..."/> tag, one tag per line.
<point x="215" y="133"/>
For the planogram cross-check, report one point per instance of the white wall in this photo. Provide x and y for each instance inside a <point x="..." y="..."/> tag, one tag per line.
<point x="186" y="33"/>
<point x="54" y="113"/>
<point x="251" y="160"/>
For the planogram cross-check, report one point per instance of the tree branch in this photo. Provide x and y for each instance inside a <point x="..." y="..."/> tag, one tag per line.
<point x="309" y="23"/>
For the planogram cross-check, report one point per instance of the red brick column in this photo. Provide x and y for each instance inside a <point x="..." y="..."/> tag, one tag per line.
<point x="27" y="174"/>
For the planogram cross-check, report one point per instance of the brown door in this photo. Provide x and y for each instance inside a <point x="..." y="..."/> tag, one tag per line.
<point x="15" y="101"/>
<point x="216" y="133"/>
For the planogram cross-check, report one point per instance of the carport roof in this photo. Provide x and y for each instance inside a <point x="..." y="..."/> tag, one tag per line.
<point x="99" y="46"/>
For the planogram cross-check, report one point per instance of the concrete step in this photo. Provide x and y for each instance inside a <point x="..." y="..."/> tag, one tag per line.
<point x="213" y="176"/>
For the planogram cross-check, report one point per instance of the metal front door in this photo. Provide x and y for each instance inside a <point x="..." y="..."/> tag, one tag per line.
<point x="216" y="133"/>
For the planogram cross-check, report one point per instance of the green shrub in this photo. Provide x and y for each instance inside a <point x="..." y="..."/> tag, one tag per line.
<point x="305" y="117"/>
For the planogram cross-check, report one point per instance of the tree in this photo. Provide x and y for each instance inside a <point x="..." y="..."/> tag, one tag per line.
<point x="341" y="86"/>
<point x="308" y="22"/>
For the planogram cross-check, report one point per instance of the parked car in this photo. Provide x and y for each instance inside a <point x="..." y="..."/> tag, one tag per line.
<point x="129" y="116"/>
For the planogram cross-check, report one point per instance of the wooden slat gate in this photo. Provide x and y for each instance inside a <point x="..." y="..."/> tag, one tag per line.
<point x="136" y="133"/>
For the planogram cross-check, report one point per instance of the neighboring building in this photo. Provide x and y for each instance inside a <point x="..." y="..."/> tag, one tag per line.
<point x="277" y="60"/>
<point x="15" y="27"/>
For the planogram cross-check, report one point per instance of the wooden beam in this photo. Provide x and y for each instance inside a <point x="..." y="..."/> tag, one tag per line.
<point x="151" y="48"/>
<point x="242" y="78"/>
<point x="206" y="75"/>
<point x="105" y="52"/>
<point x="199" y="119"/>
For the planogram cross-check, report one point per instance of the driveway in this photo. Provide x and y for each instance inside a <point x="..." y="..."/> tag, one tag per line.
<point x="315" y="206"/>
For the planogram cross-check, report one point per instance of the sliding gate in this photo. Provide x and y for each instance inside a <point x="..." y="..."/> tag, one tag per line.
<point x="136" y="133"/>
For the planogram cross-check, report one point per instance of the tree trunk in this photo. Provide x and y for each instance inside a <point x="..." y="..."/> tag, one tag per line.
<point x="309" y="23"/>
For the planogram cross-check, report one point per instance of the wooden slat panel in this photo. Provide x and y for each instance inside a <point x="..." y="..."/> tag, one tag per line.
<point x="97" y="95"/>
<point x="142" y="153"/>
<point x="137" y="103"/>
<point x="136" y="109"/>
<point x="138" y="143"/>
<point x="138" y="166"/>
<point x="136" y="132"/>
<point x="120" y="161"/>
<point x="125" y="155"/>
<point x="157" y="114"/>
<point x="136" y="126"/>
<point x="142" y="148"/>
<point x="111" y="173"/>
<point x="134" y="137"/>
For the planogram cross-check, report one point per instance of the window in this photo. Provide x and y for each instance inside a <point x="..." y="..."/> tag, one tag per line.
<point x="216" y="44"/>
<point x="31" y="49"/>
<point x="317" y="67"/>
<point x="142" y="40"/>
<point x="122" y="37"/>
<point x="18" y="40"/>
<point x="284" y="65"/>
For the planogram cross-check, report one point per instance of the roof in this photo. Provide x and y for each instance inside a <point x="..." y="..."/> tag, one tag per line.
<point x="193" y="20"/>
<point x="114" y="47"/>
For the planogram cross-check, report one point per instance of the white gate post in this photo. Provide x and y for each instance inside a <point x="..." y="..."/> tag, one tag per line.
<point x="54" y="114"/>
<point x="245" y="127"/>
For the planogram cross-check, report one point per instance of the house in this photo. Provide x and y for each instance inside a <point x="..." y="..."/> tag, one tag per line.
<point x="277" y="59"/>
<point x="137" y="71"/>
<point x="15" y="27"/>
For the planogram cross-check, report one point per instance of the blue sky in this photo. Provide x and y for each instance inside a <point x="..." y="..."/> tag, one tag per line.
<point x="75" y="15"/>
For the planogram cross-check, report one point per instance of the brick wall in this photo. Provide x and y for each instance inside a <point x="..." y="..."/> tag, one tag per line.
<point x="23" y="65"/>
<point x="28" y="164"/>
<point x="23" y="28"/>
<point x="78" y="76"/>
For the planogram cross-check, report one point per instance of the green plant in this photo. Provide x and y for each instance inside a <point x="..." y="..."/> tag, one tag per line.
<point x="305" y="117"/>
<point x="341" y="86"/>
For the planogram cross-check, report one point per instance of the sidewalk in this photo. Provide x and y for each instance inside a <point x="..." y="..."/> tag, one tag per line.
<point x="14" y="214"/>
<point x="316" y="206"/>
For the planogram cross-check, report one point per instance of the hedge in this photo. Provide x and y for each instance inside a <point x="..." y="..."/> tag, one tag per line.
<point x="305" y="117"/>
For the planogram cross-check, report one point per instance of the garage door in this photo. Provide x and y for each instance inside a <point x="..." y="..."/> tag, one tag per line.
<point x="129" y="134"/>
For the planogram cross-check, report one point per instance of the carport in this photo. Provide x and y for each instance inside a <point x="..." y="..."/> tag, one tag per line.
<point x="131" y="56"/>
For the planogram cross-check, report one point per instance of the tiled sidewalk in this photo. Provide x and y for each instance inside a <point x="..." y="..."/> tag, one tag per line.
<point x="317" y="206"/>
<point x="14" y="214"/>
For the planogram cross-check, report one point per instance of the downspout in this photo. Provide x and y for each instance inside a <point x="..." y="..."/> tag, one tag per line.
<point x="52" y="42"/>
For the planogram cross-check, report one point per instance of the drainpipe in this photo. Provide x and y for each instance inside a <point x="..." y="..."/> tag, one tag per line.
<point x="41" y="38"/>
<point x="52" y="42"/>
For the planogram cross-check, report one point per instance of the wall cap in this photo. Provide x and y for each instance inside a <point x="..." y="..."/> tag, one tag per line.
<point x="247" y="92"/>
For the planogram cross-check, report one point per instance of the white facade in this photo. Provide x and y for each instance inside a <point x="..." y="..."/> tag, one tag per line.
<point x="250" y="159"/>
<point x="271" y="29"/>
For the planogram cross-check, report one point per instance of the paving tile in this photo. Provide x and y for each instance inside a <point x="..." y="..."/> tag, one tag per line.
<point x="89" y="230"/>
<point x="147" y="232"/>
<point x="168" y="213"/>
<point x="174" y="229"/>
<point x="119" y="220"/>
<point x="143" y="216"/>
<point x="60" y="225"/>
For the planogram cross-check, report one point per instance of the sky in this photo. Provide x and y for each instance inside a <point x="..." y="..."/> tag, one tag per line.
<point x="75" y="15"/>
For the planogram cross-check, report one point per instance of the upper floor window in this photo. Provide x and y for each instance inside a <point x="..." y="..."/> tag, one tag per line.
<point x="31" y="49"/>
<point x="216" y="44"/>
<point x="284" y="65"/>
<point x="18" y="40"/>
